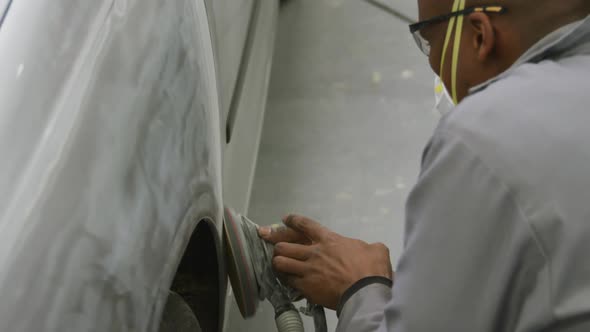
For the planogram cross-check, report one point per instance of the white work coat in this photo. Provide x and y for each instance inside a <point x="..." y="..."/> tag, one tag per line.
<point x="498" y="225"/>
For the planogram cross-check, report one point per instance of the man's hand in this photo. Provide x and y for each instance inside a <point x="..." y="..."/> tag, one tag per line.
<point x="321" y="264"/>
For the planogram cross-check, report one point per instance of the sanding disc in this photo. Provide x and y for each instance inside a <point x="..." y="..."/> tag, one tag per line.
<point x="239" y="265"/>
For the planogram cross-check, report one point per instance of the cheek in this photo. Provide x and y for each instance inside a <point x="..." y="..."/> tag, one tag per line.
<point x="433" y="63"/>
<point x="468" y="65"/>
<point x="434" y="59"/>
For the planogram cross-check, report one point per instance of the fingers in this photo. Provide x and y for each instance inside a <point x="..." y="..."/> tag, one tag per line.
<point x="296" y="282"/>
<point x="299" y="230"/>
<point x="292" y="250"/>
<point x="289" y="266"/>
<point x="310" y="228"/>
<point x="280" y="233"/>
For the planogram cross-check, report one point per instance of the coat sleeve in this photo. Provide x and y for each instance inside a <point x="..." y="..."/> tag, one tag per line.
<point x="469" y="260"/>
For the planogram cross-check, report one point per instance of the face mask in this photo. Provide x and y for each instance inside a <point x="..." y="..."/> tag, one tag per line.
<point x="443" y="102"/>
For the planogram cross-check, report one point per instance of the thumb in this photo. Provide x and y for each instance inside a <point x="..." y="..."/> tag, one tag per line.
<point x="281" y="233"/>
<point x="310" y="228"/>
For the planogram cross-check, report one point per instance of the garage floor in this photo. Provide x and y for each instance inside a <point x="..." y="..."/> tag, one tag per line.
<point x="350" y="109"/>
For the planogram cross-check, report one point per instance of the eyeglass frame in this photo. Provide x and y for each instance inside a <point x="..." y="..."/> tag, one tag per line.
<point x="424" y="45"/>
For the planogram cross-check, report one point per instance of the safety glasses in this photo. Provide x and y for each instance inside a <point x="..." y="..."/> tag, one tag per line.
<point x="424" y="45"/>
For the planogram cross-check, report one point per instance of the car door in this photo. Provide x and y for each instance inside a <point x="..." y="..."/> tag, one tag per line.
<point x="247" y="28"/>
<point x="244" y="37"/>
<point x="230" y="21"/>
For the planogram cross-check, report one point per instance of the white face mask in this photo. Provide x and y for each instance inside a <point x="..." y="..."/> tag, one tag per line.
<point x="443" y="102"/>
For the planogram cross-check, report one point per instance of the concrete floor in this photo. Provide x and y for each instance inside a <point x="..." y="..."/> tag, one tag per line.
<point x="350" y="110"/>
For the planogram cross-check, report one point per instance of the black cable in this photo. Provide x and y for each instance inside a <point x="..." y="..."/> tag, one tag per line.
<point x="319" y="319"/>
<point x="393" y="12"/>
<point x="5" y="13"/>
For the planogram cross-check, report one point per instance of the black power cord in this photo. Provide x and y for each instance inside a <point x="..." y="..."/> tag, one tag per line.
<point x="391" y="11"/>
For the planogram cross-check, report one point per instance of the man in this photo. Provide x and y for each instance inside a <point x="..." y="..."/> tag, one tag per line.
<point x="498" y="225"/>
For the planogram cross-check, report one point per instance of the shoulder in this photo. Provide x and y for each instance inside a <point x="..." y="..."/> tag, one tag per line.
<point x="503" y="125"/>
<point x="532" y="96"/>
<point x="497" y="110"/>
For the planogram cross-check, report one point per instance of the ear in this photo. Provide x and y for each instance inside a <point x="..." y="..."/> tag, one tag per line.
<point x="484" y="37"/>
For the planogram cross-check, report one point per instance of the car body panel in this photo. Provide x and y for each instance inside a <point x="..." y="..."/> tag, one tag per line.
<point x="240" y="154"/>
<point x="231" y="19"/>
<point x="111" y="155"/>
<point x="245" y="38"/>
<point x="110" y="125"/>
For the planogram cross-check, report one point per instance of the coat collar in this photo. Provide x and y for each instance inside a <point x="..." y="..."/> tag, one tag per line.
<point x="568" y="40"/>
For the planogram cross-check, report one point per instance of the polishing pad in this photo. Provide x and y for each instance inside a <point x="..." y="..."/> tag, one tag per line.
<point x="239" y="264"/>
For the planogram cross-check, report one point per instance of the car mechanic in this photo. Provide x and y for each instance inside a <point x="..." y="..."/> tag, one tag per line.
<point x="498" y="224"/>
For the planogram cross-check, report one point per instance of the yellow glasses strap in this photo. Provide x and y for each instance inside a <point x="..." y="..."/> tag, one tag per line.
<point x="457" y="6"/>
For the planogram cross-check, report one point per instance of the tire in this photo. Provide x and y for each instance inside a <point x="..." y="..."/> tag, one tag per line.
<point x="178" y="316"/>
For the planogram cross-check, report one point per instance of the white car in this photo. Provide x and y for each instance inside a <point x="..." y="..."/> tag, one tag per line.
<point x="125" y="125"/>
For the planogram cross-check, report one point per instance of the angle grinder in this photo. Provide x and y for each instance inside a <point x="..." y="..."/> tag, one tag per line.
<point x="249" y="264"/>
